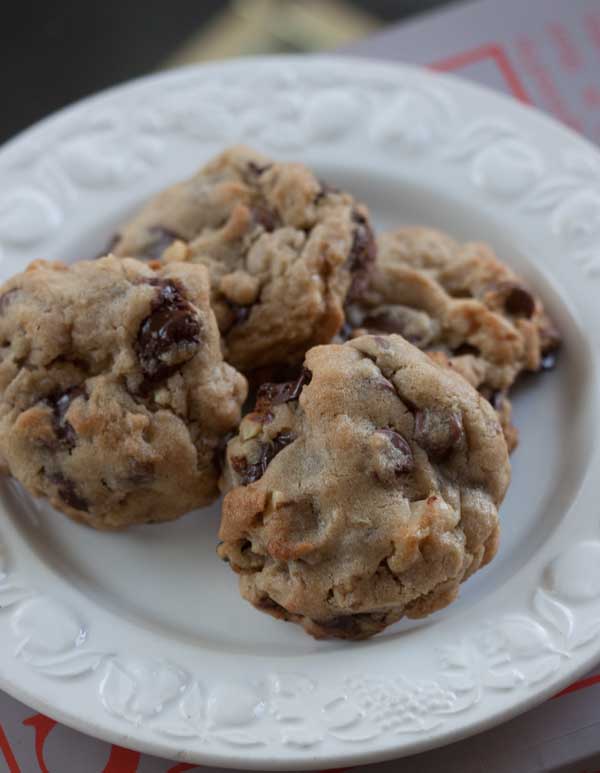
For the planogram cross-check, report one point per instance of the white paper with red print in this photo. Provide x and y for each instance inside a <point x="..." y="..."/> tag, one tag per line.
<point x="544" y="52"/>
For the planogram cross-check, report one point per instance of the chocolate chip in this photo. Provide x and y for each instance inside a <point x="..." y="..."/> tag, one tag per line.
<point x="68" y="493"/>
<point x="519" y="302"/>
<point x="169" y="336"/>
<point x="161" y="239"/>
<point x="464" y="349"/>
<point x="402" y="455"/>
<point x="250" y="473"/>
<point x="258" y="169"/>
<point x="7" y="298"/>
<point x="271" y="394"/>
<point x="362" y="255"/>
<point x="60" y="403"/>
<point x="437" y="432"/>
<point x="264" y="217"/>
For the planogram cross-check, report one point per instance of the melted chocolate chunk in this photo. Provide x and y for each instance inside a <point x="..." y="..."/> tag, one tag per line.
<point x="519" y="302"/>
<point x="271" y="394"/>
<point x="60" y="403"/>
<point x="169" y="336"/>
<point x="466" y="349"/>
<point x="250" y="473"/>
<point x="362" y="255"/>
<point x="437" y="432"/>
<point x="161" y="239"/>
<point x="68" y="493"/>
<point x="403" y="456"/>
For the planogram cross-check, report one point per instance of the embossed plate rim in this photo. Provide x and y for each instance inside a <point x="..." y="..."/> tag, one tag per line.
<point x="165" y="703"/>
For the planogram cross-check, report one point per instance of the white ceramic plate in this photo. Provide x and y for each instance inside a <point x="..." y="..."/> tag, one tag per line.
<point x="141" y="638"/>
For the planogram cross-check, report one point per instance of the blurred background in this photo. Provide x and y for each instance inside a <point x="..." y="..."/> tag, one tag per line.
<point x="55" y="53"/>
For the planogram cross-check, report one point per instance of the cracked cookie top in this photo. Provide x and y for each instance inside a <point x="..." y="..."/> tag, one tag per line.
<point x="284" y="251"/>
<point x="113" y="393"/>
<point x="363" y="491"/>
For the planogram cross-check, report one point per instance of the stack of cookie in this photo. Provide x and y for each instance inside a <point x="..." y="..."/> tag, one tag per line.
<point x="363" y="483"/>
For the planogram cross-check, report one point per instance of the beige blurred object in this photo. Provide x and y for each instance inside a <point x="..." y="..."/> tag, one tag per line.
<point x="270" y="26"/>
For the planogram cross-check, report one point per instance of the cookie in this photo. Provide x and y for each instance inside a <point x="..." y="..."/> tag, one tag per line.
<point x="473" y="369"/>
<point x="114" y="396"/>
<point x="461" y="301"/>
<point x="284" y="251"/>
<point x="365" y="491"/>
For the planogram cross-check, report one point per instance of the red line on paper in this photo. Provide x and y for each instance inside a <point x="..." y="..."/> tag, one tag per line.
<point x="122" y="760"/>
<point x="489" y="51"/>
<point x="580" y="685"/>
<point x="532" y="61"/>
<point x="13" y="765"/>
<point x="568" y="53"/>
<point x="43" y="726"/>
<point x="182" y="767"/>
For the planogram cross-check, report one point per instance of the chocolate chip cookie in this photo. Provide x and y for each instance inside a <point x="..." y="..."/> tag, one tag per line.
<point x="114" y="396"/>
<point x="461" y="302"/>
<point x="284" y="251"/>
<point x="364" y="491"/>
